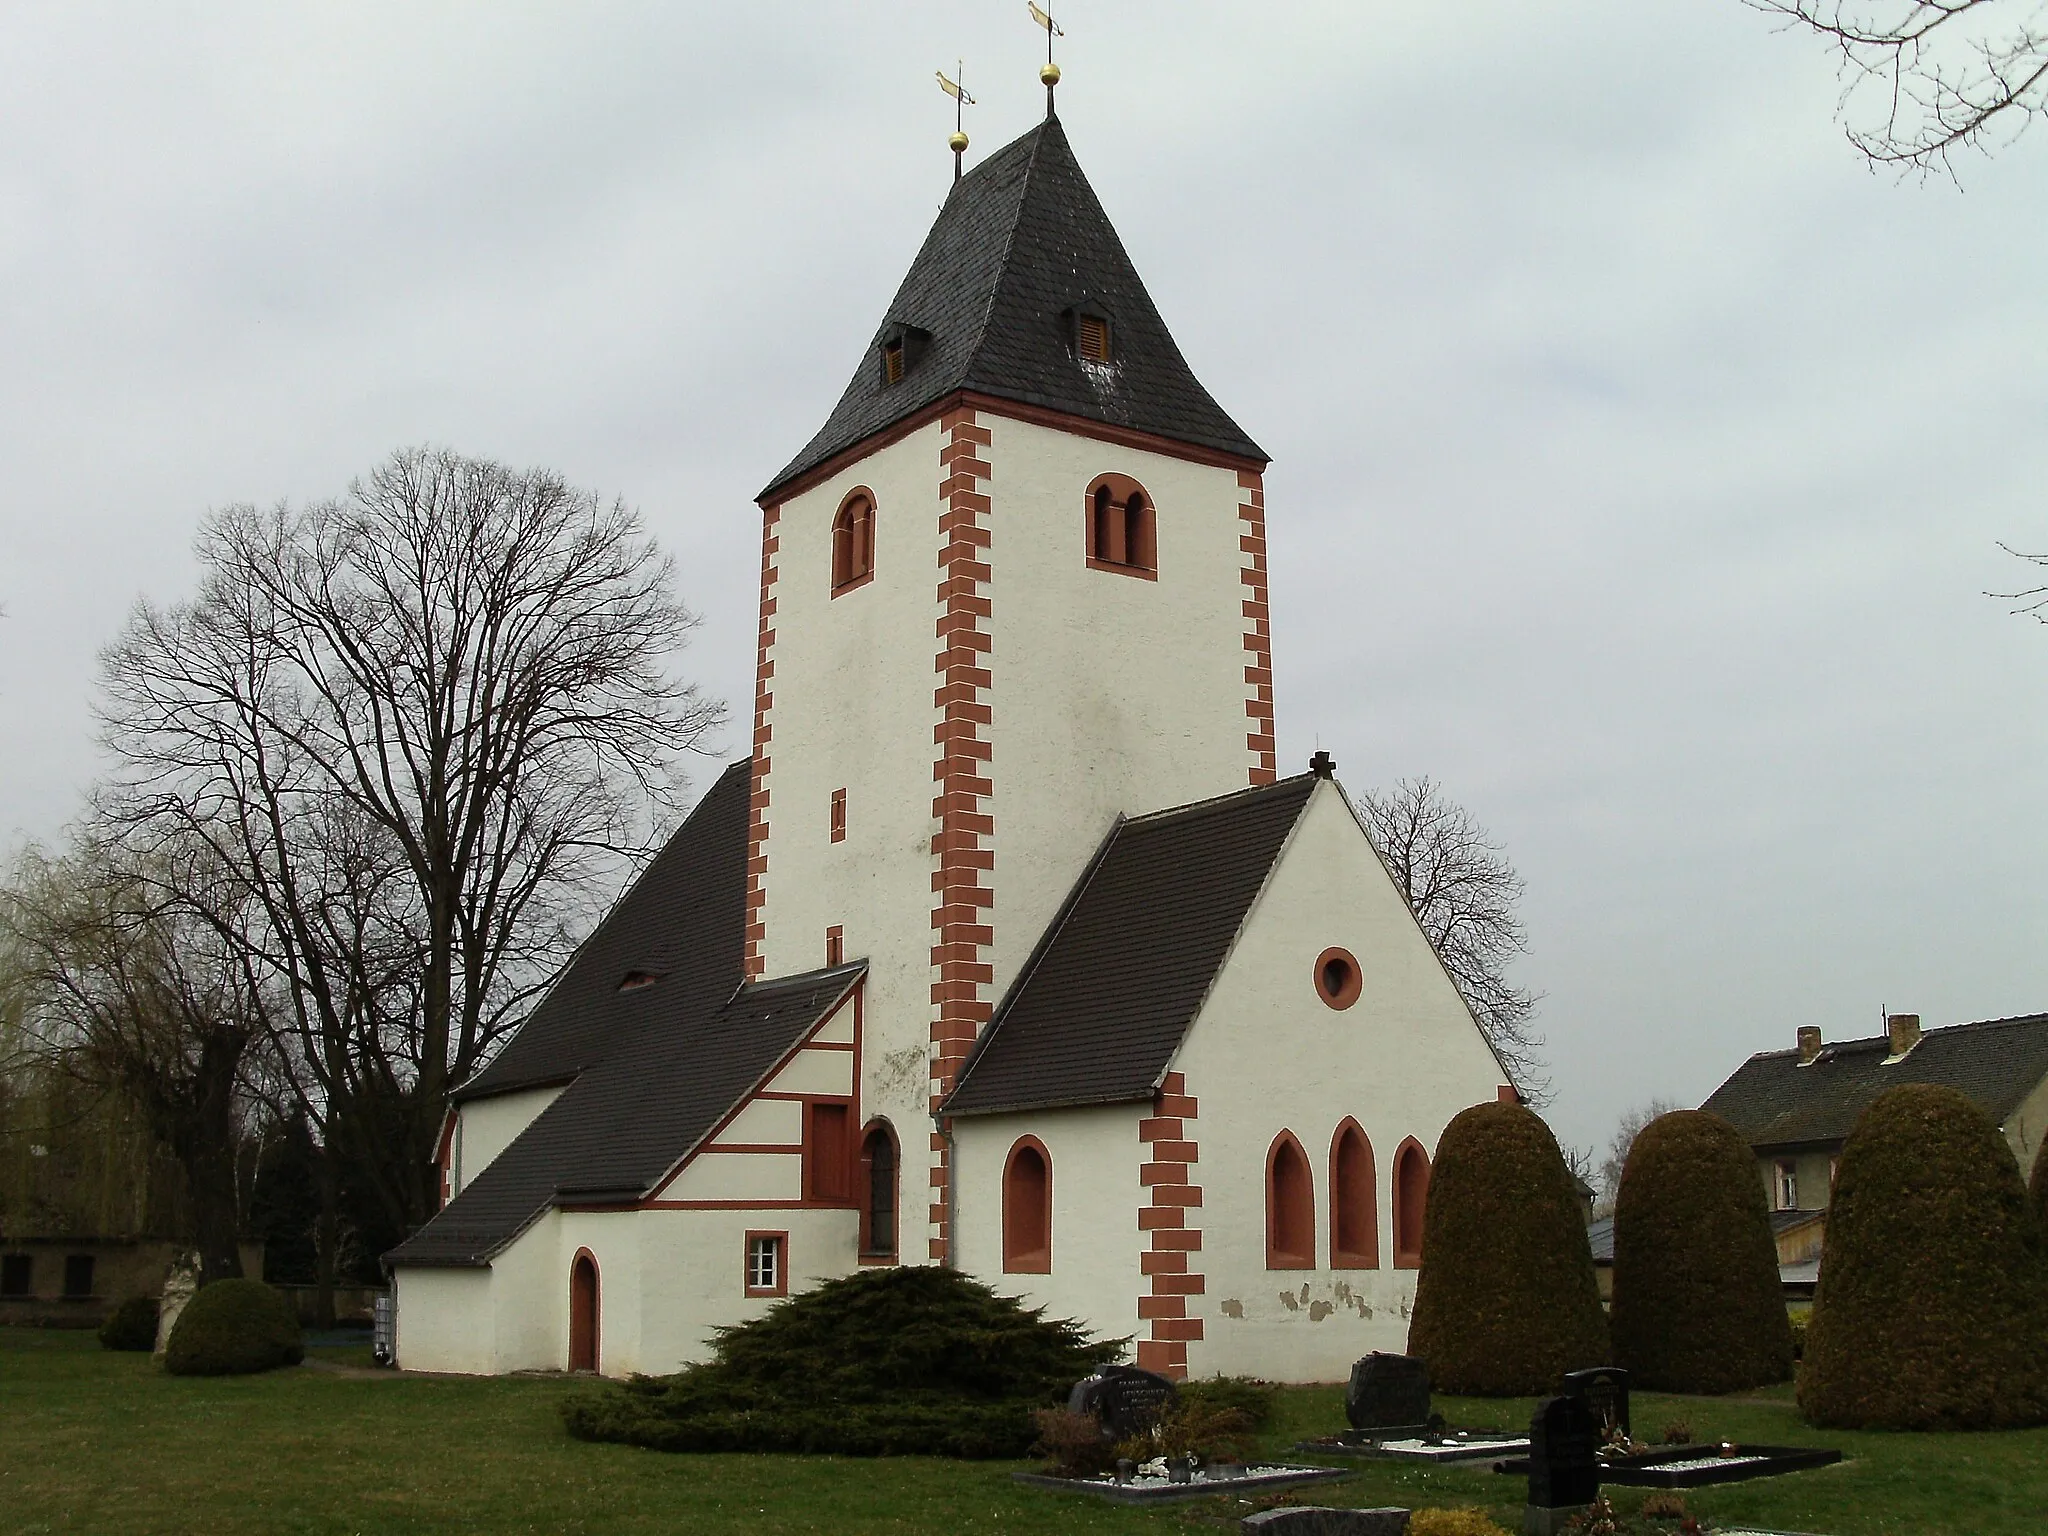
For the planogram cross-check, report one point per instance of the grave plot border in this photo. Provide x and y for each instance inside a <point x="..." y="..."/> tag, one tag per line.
<point x="1444" y="1455"/>
<point x="1649" y="1470"/>
<point x="1170" y="1493"/>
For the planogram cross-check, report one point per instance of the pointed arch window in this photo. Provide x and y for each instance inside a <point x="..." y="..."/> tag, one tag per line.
<point x="878" y="1164"/>
<point x="1354" y="1200"/>
<point x="1027" y="1209"/>
<point x="853" y="541"/>
<point x="1411" y="1203"/>
<point x="1290" y="1206"/>
<point x="1122" y="528"/>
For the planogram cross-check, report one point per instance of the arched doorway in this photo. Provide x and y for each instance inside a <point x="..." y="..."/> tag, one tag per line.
<point x="583" y="1313"/>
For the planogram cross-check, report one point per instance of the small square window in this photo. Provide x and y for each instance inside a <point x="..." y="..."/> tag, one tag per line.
<point x="767" y="1273"/>
<point x="838" y="819"/>
<point x="17" y="1275"/>
<point x="835" y="945"/>
<point x="78" y="1275"/>
<point x="1787" y="1186"/>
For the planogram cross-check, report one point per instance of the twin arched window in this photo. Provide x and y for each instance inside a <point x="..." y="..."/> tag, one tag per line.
<point x="1354" y="1203"/>
<point x="1027" y="1209"/>
<point x="853" y="541"/>
<point x="1122" y="530"/>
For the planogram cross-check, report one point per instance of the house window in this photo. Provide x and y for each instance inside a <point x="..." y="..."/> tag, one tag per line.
<point x="17" y="1275"/>
<point x="1354" y="1205"/>
<point x="1338" y="978"/>
<point x="828" y="1180"/>
<point x="892" y="361"/>
<point x="838" y="816"/>
<point x="1122" y="531"/>
<point x="878" y="1210"/>
<point x="1786" y="1184"/>
<point x="767" y="1264"/>
<point x="78" y="1275"/>
<point x="853" y="542"/>
<point x="1290" y="1206"/>
<point x="1411" y="1203"/>
<point x="835" y="945"/>
<point x="1091" y="337"/>
<point x="1027" y="1209"/>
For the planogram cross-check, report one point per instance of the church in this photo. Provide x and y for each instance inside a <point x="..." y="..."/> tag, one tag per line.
<point x="1009" y="946"/>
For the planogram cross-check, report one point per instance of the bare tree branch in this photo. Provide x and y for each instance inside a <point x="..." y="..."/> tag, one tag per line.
<point x="1463" y="892"/>
<point x="1943" y="74"/>
<point x="2032" y="600"/>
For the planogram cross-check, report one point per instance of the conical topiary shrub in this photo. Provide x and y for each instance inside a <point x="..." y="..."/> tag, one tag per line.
<point x="1932" y="1311"/>
<point x="1506" y="1302"/>
<point x="1697" y="1302"/>
<point x="2037" y="1187"/>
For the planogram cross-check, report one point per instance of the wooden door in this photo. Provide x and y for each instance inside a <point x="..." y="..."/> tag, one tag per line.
<point x="583" y="1313"/>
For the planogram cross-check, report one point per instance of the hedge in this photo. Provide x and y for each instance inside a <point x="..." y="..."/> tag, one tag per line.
<point x="916" y="1360"/>
<point x="1932" y="1309"/>
<point x="1698" y="1306"/>
<point x="132" y="1327"/>
<point x="234" y="1328"/>
<point x="2037" y="1187"/>
<point x="1506" y="1302"/>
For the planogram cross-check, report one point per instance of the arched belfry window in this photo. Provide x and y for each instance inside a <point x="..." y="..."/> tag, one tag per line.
<point x="1027" y="1209"/>
<point x="1122" y="527"/>
<point x="878" y="1193"/>
<point x="853" y="541"/>
<point x="1411" y="1203"/>
<point x="1354" y="1201"/>
<point x="1290" y="1206"/>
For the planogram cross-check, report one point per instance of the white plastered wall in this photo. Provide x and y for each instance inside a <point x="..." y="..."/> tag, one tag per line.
<point x="2026" y="1127"/>
<point x="1267" y="1054"/>
<point x="1111" y="694"/>
<point x="486" y="1127"/>
<point x="853" y="709"/>
<point x="1095" y="1154"/>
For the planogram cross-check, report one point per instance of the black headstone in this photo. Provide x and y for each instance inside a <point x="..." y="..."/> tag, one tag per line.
<point x="1387" y="1392"/>
<point x="1127" y="1400"/>
<point x="1605" y="1392"/>
<point x="1564" y="1469"/>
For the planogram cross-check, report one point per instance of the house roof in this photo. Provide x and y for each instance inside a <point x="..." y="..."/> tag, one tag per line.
<point x="1099" y="1009"/>
<point x="652" y="1068"/>
<point x="1775" y="1102"/>
<point x="1600" y="1234"/>
<point x="1019" y="247"/>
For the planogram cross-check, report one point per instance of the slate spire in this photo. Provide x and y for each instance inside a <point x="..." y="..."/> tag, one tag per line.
<point x="1020" y="251"/>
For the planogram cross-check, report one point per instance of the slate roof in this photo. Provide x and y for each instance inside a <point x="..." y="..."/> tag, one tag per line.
<point x="1775" y="1102"/>
<point x="651" y="1070"/>
<point x="1104" y="1002"/>
<point x="1020" y="244"/>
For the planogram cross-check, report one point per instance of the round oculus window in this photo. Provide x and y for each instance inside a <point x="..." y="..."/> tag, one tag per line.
<point x="1337" y="977"/>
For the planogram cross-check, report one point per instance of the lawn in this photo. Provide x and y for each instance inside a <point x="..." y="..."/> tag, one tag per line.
<point x="91" y="1441"/>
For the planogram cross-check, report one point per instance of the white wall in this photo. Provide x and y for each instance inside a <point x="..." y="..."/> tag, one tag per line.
<point x="1267" y="1054"/>
<point x="486" y="1127"/>
<point x="444" y="1320"/>
<point x="1095" y="1198"/>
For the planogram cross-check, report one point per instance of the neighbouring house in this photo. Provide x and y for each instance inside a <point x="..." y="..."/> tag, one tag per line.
<point x="77" y="1281"/>
<point x="1008" y="947"/>
<point x="1797" y="1107"/>
<point x="1797" y="1234"/>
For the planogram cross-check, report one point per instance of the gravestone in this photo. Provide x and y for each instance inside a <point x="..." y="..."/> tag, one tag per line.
<point x="1605" y="1392"/>
<point x="1564" y="1468"/>
<point x="1127" y="1400"/>
<point x="1307" y="1520"/>
<point x="1387" y="1392"/>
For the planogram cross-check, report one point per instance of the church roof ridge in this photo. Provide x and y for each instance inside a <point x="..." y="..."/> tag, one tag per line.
<point x="1020" y="246"/>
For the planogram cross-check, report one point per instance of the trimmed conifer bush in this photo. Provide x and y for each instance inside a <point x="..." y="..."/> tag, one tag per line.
<point x="1932" y="1310"/>
<point x="234" y="1328"/>
<point x="2037" y="1187"/>
<point x="1506" y="1302"/>
<point x="914" y="1360"/>
<point x="132" y="1327"/>
<point x="1698" y="1306"/>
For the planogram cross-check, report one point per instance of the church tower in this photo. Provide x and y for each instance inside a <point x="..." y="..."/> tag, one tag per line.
<point x="1014" y="588"/>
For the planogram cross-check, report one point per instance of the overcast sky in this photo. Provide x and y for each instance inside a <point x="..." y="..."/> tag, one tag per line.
<point x="1639" y="466"/>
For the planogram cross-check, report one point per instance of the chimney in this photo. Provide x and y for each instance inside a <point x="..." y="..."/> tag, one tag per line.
<point x="1322" y="765"/>
<point x="1905" y="1031"/>
<point x="1809" y="1044"/>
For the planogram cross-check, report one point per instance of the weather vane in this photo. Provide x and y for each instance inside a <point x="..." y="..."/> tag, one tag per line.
<point x="1050" y="74"/>
<point x="957" y="89"/>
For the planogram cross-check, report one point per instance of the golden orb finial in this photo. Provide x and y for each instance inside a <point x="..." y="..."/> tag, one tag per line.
<point x="958" y="142"/>
<point x="1049" y="72"/>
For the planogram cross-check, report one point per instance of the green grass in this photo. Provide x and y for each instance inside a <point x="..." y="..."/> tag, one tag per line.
<point x="95" y="1441"/>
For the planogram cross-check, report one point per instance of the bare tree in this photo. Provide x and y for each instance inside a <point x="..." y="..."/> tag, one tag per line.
<point x="132" y="990"/>
<point x="2032" y="600"/>
<point x="1463" y="892"/>
<point x="423" y="723"/>
<point x="1943" y="74"/>
<point x="1625" y="1132"/>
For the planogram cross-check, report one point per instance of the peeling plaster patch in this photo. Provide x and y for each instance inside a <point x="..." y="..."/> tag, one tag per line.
<point x="902" y="1074"/>
<point x="1341" y="1290"/>
<point x="1304" y="1293"/>
<point x="1287" y="1300"/>
<point x="1234" y="1308"/>
<point x="1318" y="1310"/>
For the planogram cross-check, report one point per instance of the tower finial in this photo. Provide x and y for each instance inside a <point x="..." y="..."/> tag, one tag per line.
<point x="957" y="89"/>
<point x="1050" y="73"/>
